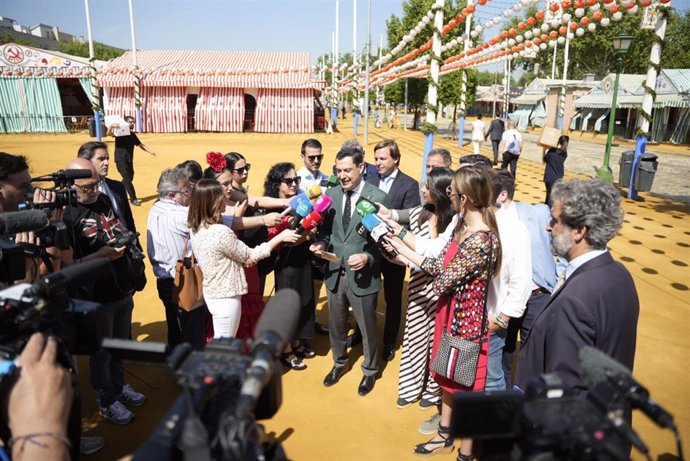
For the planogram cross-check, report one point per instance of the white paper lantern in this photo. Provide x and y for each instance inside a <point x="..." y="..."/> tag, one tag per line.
<point x="417" y="29"/>
<point x="517" y="7"/>
<point x="579" y="12"/>
<point x="511" y="42"/>
<point x="591" y="27"/>
<point x="489" y="25"/>
<point x="545" y="27"/>
<point x="608" y="6"/>
<point x="528" y="35"/>
<point x="507" y="13"/>
<point x="554" y="24"/>
<point x="525" y="2"/>
<point x="633" y="10"/>
<point x="542" y="46"/>
<point x="474" y="34"/>
<point x="594" y="7"/>
<point x="617" y="16"/>
<point x="579" y="32"/>
<point x="570" y="36"/>
<point x="478" y="28"/>
<point x="519" y="38"/>
<point x="552" y="43"/>
<point x="522" y="53"/>
<point x="425" y="20"/>
<point x="626" y="3"/>
<point x="561" y="41"/>
<point x="605" y="22"/>
<point x="497" y="20"/>
<point x="566" y="18"/>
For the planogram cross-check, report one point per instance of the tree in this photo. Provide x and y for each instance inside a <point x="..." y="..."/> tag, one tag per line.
<point x="451" y="86"/>
<point x="100" y="51"/>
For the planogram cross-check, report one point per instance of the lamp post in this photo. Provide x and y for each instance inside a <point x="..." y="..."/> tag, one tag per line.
<point x="621" y="44"/>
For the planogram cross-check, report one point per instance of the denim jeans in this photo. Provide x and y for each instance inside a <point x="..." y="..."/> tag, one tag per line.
<point x="495" y="379"/>
<point x="106" y="370"/>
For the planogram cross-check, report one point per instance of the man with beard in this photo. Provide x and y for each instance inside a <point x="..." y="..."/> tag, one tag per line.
<point x="595" y="302"/>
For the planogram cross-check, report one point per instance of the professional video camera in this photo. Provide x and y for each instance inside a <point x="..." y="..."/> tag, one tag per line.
<point x="550" y="422"/>
<point x="128" y="239"/>
<point x="62" y="182"/>
<point x="226" y="388"/>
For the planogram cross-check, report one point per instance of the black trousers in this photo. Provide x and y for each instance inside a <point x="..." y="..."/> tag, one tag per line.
<point x="183" y="326"/>
<point x="393" y="279"/>
<point x="495" y="143"/>
<point x="510" y="160"/>
<point x="126" y="169"/>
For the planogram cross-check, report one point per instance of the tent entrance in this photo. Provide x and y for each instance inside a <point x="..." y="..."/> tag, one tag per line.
<point x="191" y="111"/>
<point x="76" y="107"/>
<point x="249" y="112"/>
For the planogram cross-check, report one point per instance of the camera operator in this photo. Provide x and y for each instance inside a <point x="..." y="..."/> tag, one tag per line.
<point x="96" y="228"/>
<point x="15" y="184"/>
<point x="39" y="403"/>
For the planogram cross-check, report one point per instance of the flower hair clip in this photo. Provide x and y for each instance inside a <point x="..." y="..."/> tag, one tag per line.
<point x="216" y="161"/>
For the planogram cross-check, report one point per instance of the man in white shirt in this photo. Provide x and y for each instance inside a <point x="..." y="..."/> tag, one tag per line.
<point x="310" y="174"/>
<point x="510" y="290"/>
<point x="511" y="146"/>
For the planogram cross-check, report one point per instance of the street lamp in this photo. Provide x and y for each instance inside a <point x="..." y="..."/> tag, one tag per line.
<point x="621" y="44"/>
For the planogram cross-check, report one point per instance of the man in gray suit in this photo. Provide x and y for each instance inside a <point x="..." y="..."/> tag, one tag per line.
<point x="355" y="279"/>
<point x="496" y="129"/>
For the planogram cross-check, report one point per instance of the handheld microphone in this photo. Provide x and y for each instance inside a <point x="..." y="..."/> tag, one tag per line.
<point x="22" y="221"/>
<point x="365" y="207"/>
<point x="294" y="203"/>
<point x="276" y="327"/>
<point x="322" y="204"/>
<point x="597" y="367"/>
<point x="365" y="234"/>
<point x="314" y="192"/>
<point x="332" y="181"/>
<point x="377" y="228"/>
<point x="310" y="222"/>
<point x="302" y="210"/>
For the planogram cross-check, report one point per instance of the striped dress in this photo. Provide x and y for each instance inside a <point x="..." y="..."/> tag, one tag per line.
<point x="415" y="381"/>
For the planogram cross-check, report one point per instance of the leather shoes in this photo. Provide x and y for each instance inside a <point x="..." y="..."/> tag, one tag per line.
<point x="333" y="376"/>
<point x="353" y="340"/>
<point x="388" y="352"/>
<point x="321" y="329"/>
<point x="366" y="385"/>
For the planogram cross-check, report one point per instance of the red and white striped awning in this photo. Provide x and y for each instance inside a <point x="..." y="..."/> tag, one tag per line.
<point x="233" y="69"/>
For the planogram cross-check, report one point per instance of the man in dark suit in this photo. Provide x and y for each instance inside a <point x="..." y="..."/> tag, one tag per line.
<point x="596" y="304"/>
<point x="496" y="129"/>
<point x="355" y="279"/>
<point x="403" y="192"/>
<point x="97" y="153"/>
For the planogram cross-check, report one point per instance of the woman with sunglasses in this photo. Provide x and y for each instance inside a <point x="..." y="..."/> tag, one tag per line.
<point x="429" y="221"/>
<point x="461" y="276"/>
<point x="293" y="267"/>
<point x="221" y="256"/>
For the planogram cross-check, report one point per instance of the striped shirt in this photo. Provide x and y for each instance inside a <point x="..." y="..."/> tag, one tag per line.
<point x="166" y="235"/>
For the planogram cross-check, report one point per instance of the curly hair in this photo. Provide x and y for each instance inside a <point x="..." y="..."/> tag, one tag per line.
<point x="592" y="204"/>
<point x="275" y="176"/>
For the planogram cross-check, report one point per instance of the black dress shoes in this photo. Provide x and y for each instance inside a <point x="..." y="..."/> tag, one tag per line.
<point x="320" y="329"/>
<point x="333" y="376"/>
<point x="353" y="340"/>
<point x="388" y="352"/>
<point x="366" y="385"/>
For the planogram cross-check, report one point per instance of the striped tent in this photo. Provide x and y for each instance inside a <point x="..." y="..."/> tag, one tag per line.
<point x="281" y="84"/>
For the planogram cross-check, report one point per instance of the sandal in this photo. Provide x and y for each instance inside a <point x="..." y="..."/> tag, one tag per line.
<point x="294" y="363"/>
<point x="462" y="457"/>
<point x="445" y="445"/>
<point x="304" y="352"/>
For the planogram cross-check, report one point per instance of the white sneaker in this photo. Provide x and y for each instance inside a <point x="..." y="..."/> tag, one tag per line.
<point x="117" y="413"/>
<point x="90" y="445"/>
<point x="430" y="426"/>
<point x="131" y="397"/>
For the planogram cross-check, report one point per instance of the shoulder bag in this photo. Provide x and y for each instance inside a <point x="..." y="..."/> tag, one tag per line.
<point x="187" y="285"/>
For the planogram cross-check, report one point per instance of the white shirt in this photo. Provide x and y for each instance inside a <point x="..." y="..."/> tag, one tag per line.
<point x="508" y="136"/>
<point x="580" y="260"/>
<point x="432" y="248"/>
<point x="385" y="183"/>
<point x="478" y="130"/>
<point x="356" y="192"/>
<point x="510" y="290"/>
<point x="166" y="235"/>
<point x="308" y="179"/>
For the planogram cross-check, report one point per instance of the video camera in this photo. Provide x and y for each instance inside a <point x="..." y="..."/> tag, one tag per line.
<point x="128" y="239"/>
<point x="62" y="181"/>
<point x="226" y="388"/>
<point x="551" y="422"/>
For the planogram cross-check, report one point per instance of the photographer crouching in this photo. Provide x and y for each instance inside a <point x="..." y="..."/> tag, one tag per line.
<point x="98" y="233"/>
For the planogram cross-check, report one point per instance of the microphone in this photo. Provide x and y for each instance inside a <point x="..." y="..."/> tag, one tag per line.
<point x="302" y="210"/>
<point x="322" y="204"/>
<point x="332" y="181"/>
<point x="377" y="228"/>
<point x="365" y="234"/>
<point x="365" y="207"/>
<point x="276" y="327"/>
<point x="22" y="221"/>
<point x="597" y="367"/>
<point x="76" y="275"/>
<point x="314" y="192"/>
<point x="73" y="174"/>
<point x="294" y="203"/>
<point x="311" y="221"/>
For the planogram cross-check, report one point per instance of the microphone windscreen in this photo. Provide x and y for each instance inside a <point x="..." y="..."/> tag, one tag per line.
<point x="297" y="199"/>
<point x="14" y="222"/>
<point x="314" y="192"/>
<point x="311" y="221"/>
<point x="371" y="221"/>
<point x="280" y="315"/>
<point x="365" y="207"/>
<point x="595" y="365"/>
<point x="76" y="174"/>
<point x="304" y="208"/>
<point x="323" y="203"/>
<point x="332" y="180"/>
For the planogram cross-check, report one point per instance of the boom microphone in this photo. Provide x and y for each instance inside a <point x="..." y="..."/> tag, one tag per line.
<point x="294" y="203"/>
<point x="73" y="174"/>
<point x="597" y="367"/>
<point x="276" y="327"/>
<point x="22" y="221"/>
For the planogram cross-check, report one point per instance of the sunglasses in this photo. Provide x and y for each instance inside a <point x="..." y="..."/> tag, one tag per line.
<point x="243" y="169"/>
<point x="313" y="158"/>
<point x="90" y="188"/>
<point x="291" y="181"/>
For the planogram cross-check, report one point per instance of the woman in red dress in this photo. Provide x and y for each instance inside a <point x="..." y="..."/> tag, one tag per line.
<point x="461" y="274"/>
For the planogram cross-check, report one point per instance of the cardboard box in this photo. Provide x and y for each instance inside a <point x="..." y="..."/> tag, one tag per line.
<point x="549" y="137"/>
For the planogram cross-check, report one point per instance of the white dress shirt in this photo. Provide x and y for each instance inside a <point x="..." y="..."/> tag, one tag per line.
<point x="385" y="183"/>
<point x="432" y="247"/>
<point x="308" y="179"/>
<point x="510" y="290"/>
<point x="166" y="235"/>
<point x="580" y="260"/>
<point x="356" y="192"/>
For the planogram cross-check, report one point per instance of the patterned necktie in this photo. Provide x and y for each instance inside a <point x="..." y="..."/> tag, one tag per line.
<point x="347" y="212"/>
<point x="559" y="282"/>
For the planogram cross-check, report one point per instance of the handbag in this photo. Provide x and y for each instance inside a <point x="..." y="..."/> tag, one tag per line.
<point x="187" y="286"/>
<point x="457" y="358"/>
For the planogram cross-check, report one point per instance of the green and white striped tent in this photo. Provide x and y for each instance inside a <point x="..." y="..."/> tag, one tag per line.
<point x="29" y="95"/>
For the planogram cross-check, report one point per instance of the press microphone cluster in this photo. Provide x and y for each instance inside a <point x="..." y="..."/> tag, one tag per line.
<point x="372" y="226"/>
<point x="311" y="214"/>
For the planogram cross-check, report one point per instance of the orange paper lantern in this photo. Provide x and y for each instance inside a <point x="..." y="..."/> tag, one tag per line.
<point x="592" y="2"/>
<point x="544" y="38"/>
<point x="553" y="34"/>
<point x="512" y="32"/>
<point x="615" y="9"/>
<point x="597" y="16"/>
<point x="531" y="22"/>
<point x="579" y="3"/>
<point x="522" y="26"/>
<point x="554" y="7"/>
<point x="504" y="34"/>
<point x="452" y="23"/>
<point x="470" y="8"/>
<point x="536" y="41"/>
<point x="539" y="15"/>
<point x="573" y="26"/>
<point x="563" y="30"/>
<point x="584" y="21"/>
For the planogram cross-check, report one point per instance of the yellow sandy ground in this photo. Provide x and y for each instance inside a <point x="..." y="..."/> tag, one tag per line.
<point x="316" y="422"/>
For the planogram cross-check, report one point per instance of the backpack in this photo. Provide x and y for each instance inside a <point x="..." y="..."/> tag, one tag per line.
<point x="513" y="146"/>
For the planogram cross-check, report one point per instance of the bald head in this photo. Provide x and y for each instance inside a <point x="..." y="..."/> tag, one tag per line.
<point x="82" y="164"/>
<point x="511" y="124"/>
<point x="87" y="188"/>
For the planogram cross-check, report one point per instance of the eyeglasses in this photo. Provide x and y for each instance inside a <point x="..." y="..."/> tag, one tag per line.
<point x="89" y="188"/>
<point x="186" y="191"/>
<point x="244" y="169"/>
<point x="313" y="158"/>
<point x="291" y="181"/>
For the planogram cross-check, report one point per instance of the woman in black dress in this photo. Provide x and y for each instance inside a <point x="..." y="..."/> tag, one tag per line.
<point x="554" y="159"/>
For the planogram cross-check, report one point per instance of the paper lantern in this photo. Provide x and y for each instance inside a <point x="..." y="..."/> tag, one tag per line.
<point x="512" y="32"/>
<point x="531" y="22"/>
<point x="563" y="30"/>
<point x="579" y="3"/>
<point x="519" y="38"/>
<point x="545" y="27"/>
<point x="474" y="34"/>
<point x="580" y="32"/>
<point x="615" y="8"/>
<point x="579" y="12"/>
<point x="592" y="27"/>
<point x="536" y="41"/>
<point x="570" y="36"/>
<point x="528" y="34"/>
<point x="553" y="35"/>
<point x="584" y="21"/>
<point x="482" y="2"/>
<point x="504" y="34"/>
<point x="592" y="2"/>
<point x="542" y="46"/>
<point x="552" y="43"/>
<point x="554" y="7"/>
<point x="561" y="40"/>
<point x="517" y="7"/>
<point x="566" y="4"/>
<point x="633" y="9"/>
<point x="573" y="26"/>
<point x="508" y="13"/>
<point x="544" y="37"/>
<point x="539" y="15"/>
<point x="470" y="9"/>
<point x="594" y="7"/>
<point x="522" y="26"/>
<point x="605" y="22"/>
<point x="566" y="18"/>
<point x="497" y="20"/>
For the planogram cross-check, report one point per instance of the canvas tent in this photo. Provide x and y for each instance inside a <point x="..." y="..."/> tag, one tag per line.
<point x="33" y="86"/>
<point x="213" y="90"/>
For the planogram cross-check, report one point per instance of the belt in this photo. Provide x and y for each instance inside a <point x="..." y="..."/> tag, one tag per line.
<point x="540" y="290"/>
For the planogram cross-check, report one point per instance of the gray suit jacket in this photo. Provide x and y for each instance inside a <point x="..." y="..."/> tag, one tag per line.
<point x="347" y="242"/>
<point x="596" y="306"/>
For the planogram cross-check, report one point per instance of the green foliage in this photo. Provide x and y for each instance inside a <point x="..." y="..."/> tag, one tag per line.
<point x="7" y="38"/>
<point x="451" y="86"/>
<point x="100" y="51"/>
